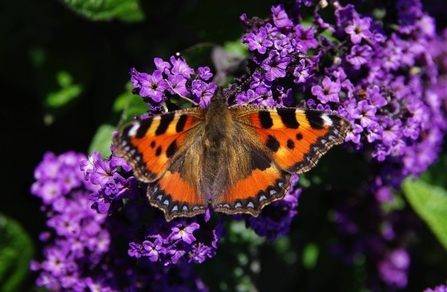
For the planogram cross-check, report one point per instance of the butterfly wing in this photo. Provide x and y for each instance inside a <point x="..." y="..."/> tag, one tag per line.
<point x="263" y="184"/>
<point x="281" y="141"/>
<point x="297" y="138"/>
<point x="155" y="148"/>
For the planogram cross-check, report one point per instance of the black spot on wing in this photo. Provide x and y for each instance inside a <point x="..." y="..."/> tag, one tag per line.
<point x="259" y="161"/>
<point x="181" y="123"/>
<point x="288" y="117"/>
<point x="290" y="144"/>
<point x="152" y="144"/>
<point x="172" y="148"/>
<point x="142" y="129"/>
<point x="272" y="143"/>
<point x="158" y="151"/>
<point x="266" y="119"/>
<point x="299" y="136"/>
<point x="315" y="120"/>
<point x="165" y="121"/>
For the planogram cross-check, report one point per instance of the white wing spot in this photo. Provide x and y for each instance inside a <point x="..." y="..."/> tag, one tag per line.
<point x="327" y="119"/>
<point x="133" y="130"/>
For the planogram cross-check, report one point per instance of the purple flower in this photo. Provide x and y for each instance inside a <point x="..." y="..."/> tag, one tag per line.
<point x="366" y="114"/>
<point x="112" y="186"/>
<point x="204" y="73"/>
<point x="203" y="92"/>
<point x="275" y="66"/>
<point x="328" y="92"/>
<point x="306" y="37"/>
<point x="359" y="29"/>
<point x="280" y="18"/>
<point x="201" y="252"/>
<point x="180" y="67"/>
<point x="393" y="269"/>
<point x="177" y="84"/>
<point x="149" y="85"/>
<point x="391" y="131"/>
<point x="153" y="85"/>
<point x="152" y="250"/>
<point x="302" y="72"/>
<point x="259" y="41"/>
<point x="184" y="232"/>
<point x="359" y="55"/>
<point x="162" y="66"/>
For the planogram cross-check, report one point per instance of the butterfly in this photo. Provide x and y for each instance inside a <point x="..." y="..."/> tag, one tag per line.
<point x="236" y="159"/>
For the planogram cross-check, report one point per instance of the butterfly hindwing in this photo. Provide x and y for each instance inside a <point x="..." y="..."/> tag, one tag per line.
<point x="264" y="184"/>
<point x="175" y="196"/>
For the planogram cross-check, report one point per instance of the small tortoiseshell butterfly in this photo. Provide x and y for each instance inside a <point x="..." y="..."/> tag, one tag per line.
<point x="235" y="158"/>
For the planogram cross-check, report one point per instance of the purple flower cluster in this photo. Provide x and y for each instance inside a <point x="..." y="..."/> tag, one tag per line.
<point x="182" y="239"/>
<point x="81" y="252"/>
<point x="394" y="267"/>
<point x="379" y="79"/>
<point x="78" y="231"/>
<point x="112" y="187"/>
<point x="174" y="78"/>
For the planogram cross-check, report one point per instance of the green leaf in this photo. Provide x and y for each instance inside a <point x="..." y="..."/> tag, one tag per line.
<point x="310" y="255"/>
<point x="430" y="203"/>
<point x="237" y="48"/>
<point x="68" y="91"/>
<point x="102" y="140"/>
<point x="125" y="10"/>
<point x="435" y="175"/>
<point x="16" y="251"/>
<point x="129" y="104"/>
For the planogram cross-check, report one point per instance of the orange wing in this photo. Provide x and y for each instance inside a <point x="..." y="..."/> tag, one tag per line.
<point x="297" y="138"/>
<point x="154" y="148"/>
<point x="265" y="184"/>
<point x="283" y="141"/>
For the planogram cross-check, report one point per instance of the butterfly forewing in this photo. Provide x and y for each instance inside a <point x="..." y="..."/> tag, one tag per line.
<point x="150" y="144"/>
<point x="297" y="138"/>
